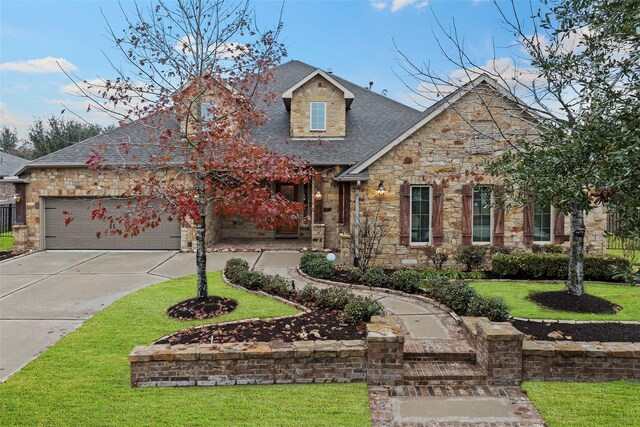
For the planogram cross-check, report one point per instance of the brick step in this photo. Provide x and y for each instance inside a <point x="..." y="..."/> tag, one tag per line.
<point x="439" y="350"/>
<point x="417" y="373"/>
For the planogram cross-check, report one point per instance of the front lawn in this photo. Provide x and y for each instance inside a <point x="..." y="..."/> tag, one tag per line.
<point x="586" y="404"/>
<point x="6" y="242"/>
<point x="84" y="378"/>
<point x="515" y="295"/>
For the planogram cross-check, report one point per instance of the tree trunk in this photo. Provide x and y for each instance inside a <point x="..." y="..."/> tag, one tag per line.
<point x="201" y="250"/>
<point x="575" y="282"/>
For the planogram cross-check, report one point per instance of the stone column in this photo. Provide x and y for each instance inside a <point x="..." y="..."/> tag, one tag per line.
<point x="385" y="351"/>
<point x="499" y="352"/>
<point x="317" y="236"/>
<point x="20" y="237"/>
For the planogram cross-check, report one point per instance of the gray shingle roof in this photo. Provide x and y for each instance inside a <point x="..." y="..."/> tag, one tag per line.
<point x="372" y="121"/>
<point x="9" y="164"/>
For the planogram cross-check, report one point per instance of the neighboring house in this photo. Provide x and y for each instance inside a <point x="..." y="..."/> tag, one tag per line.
<point x="9" y="164"/>
<point x="424" y="161"/>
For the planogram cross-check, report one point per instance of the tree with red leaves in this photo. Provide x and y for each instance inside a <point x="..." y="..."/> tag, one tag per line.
<point x="194" y="91"/>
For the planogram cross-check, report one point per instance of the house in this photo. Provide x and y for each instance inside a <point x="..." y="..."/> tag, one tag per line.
<point x="422" y="171"/>
<point x="8" y="165"/>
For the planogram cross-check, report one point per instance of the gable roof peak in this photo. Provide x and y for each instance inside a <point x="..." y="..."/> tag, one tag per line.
<point x="288" y="94"/>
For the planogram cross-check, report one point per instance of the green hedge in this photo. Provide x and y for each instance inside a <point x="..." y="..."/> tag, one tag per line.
<point x="553" y="266"/>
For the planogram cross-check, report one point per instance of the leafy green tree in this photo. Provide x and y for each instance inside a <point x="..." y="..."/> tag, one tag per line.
<point x="582" y="82"/>
<point x="55" y="133"/>
<point x="8" y="140"/>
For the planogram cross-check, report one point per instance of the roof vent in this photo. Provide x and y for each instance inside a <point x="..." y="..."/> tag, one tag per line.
<point x="329" y="70"/>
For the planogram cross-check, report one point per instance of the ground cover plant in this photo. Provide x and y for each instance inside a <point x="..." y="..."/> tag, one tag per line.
<point x="516" y="296"/>
<point x="564" y="404"/>
<point x="84" y="378"/>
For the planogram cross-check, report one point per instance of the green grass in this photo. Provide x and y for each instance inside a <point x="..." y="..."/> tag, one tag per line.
<point x="84" y="378"/>
<point x="586" y="404"/>
<point x="6" y="242"/>
<point x="515" y="294"/>
<point x="634" y="258"/>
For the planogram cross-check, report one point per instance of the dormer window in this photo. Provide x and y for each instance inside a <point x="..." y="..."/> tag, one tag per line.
<point x="318" y="116"/>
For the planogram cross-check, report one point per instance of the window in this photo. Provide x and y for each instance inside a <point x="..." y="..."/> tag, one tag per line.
<point x="318" y="116"/>
<point x="541" y="222"/>
<point x="420" y="214"/>
<point x="207" y="111"/>
<point x="482" y="215"/>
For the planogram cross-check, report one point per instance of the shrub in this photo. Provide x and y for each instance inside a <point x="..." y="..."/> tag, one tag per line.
<point x="360" y="309"/>
<point x="353" y="275"/>
<point x="308" y="294"/>
<point x="453" y="274"/>
<point x="498" y="310"/>
<point x="459" y="296"/>
<point x="234" y="268"/>
<point x="375" y="276"/>
<point x="308" y="258"/>
<point x="471" y="256"/>
<point x="554" y="266"/>
<point x="547" y="249"/>
<point x="405" y="281"/>
<point x="334" y="298"/>
<point x="438" y="286"/>
<point x="253" y="280"/>
<point x="478" y="306"/>
<point x="278" y="285"/>
<point x="319" y="268"/>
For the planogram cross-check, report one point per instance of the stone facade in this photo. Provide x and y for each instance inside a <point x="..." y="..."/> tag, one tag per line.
<point x="72" y="182"/>
<point x="7" y="191"/>
<point x="321" y="90"/>
<point x="446" y="150"/>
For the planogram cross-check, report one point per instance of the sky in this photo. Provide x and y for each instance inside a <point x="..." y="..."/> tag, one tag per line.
<point x="357" y="39"/>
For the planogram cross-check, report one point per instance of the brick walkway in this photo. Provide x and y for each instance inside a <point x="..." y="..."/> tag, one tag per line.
<point x="442" y="384"/>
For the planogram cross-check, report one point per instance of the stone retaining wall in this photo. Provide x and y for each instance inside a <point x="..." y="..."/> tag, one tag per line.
<point x="509" y="360"/>
<point x="378" y="360"/>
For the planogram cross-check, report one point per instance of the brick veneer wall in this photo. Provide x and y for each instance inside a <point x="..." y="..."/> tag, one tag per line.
<point x="580" y="361"/>
<point x="273" y="362"/>
<point x="508" y="359"/>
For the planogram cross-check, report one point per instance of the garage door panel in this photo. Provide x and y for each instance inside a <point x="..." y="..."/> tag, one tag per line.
<point x="82" y="232"/>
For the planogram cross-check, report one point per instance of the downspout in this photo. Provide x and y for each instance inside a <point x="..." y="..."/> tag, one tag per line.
<point x="356" y="227"/>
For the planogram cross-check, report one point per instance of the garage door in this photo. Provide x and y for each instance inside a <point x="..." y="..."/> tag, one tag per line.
<point x="81" y="233"/>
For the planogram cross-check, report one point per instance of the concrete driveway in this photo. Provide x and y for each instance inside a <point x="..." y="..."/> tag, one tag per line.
<point x="46" y="295"/>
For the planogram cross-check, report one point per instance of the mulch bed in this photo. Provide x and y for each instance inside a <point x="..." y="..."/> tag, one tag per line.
<point x="207" y="308"/>
<point x="316" y="325"/>
<point x="560" y="300"/>
<point x="603" y="331"/>
<point x="10" y="254"/>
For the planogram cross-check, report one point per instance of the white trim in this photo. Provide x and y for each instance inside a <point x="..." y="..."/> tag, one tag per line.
<point x="347" y="93"/>
<point x="412" y="243"/>
<point x="490" y="242"/>
<point x="449" y="101"/>
<point x="324" y="124"/>
<point x="551" y="226"/>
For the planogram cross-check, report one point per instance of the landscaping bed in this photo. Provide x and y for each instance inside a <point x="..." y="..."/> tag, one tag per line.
<point x="563" y="301"/>
<point x="205" y="308"/>
<point x="600" y="331"/>
<point x="314" y="325"/>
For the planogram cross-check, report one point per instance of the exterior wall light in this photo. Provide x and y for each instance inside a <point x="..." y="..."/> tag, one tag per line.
<point x="17" y="197"/>
<point x="318" y="195"/>
<point x="381" y="189"/>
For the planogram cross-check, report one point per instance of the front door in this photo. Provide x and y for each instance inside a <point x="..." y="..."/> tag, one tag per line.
<point x="289" y="191"/>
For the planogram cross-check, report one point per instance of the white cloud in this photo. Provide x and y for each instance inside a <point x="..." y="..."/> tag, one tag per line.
<point x="13" y="120"/>
<point x="396" y="5"/>
<point x="41" y="65"/>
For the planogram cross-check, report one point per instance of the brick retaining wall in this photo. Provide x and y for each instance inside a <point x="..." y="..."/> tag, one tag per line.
<point x="274" y="362"/>
<point x="508" y="359"/>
